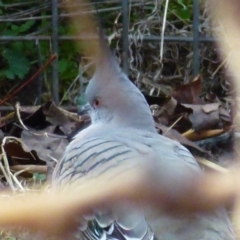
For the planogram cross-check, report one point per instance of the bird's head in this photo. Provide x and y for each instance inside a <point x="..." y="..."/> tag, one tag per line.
<point x="113" y="98"/>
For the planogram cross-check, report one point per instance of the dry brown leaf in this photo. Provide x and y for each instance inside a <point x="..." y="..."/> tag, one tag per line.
<point x="189" y="93"/>
<point x="164" y="113"/>
<point x="201" y="120"/>
<point x="29" y="110"/>
<point x="170" y="106"/>
<point x="211" y="107"/>
<point x="224" y="114"/>
<point x="171" y="112"/>
<point x="19" y="154"/>
<point x="46" y="146"/>
<point x="60" y="117"/>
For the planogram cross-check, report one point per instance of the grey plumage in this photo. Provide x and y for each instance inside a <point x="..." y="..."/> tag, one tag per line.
<point x="121" y="136"/>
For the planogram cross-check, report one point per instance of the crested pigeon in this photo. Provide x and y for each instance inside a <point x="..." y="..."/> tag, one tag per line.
<point x="122" y="131"/>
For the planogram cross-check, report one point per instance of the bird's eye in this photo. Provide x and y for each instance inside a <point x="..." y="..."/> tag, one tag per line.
<point x="97" y="103"/>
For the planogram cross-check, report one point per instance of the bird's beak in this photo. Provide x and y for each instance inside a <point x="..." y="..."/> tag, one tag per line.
<point x="84" y="109"/>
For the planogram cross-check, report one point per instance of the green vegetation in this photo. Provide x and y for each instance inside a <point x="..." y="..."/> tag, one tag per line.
<point x="20" y="59"/>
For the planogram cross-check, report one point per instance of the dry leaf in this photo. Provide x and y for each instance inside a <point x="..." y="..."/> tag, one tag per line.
<point x="189" y="93"/>
<point x="202" y="121"/>
<point x="47" y="146"/>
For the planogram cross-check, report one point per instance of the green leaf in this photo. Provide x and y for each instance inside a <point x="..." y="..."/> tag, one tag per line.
<point x="9" y="74"/>
<point x="30" y="46"/>
<point x="15" y="28"/>
<point x="17" y="45"/>
<point x="70" y="69"/>
<point x="18" y="63"/>
<point x="23" y="27"/>
<point x="9" y="32"/>
<point x="61" y="30"/>
<point x="2" y="73"/>
<point x="63" y="65"/>
<point x="184" y="14"/>
<point x="39" y="176"/>
<point x="26" y="26"/>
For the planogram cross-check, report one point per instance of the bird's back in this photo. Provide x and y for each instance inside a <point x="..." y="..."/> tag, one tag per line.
<point x="109" y="152"/>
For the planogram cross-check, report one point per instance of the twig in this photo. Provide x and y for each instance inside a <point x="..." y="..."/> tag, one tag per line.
<point x="173" y="124"/>
<point x="4" y="158"/>
<point x="211" y="165"/>
<point x="29" y="168"/>
<point x="17" y="106"/>
<point x="5" y="169"/>
<point x="219" y="67"/>
<point x="163" y="29"/>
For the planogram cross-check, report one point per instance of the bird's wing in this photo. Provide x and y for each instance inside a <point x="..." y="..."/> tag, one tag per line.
<point x="94" y="158"/>
<point x="117" y="152"/>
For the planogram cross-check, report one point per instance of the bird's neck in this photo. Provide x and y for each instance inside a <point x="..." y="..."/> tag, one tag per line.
<point x="141" y="122"/>
<point x="134" y="110"/>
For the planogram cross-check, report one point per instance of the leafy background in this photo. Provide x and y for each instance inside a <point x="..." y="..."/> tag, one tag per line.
<point x="20" y="59"/>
